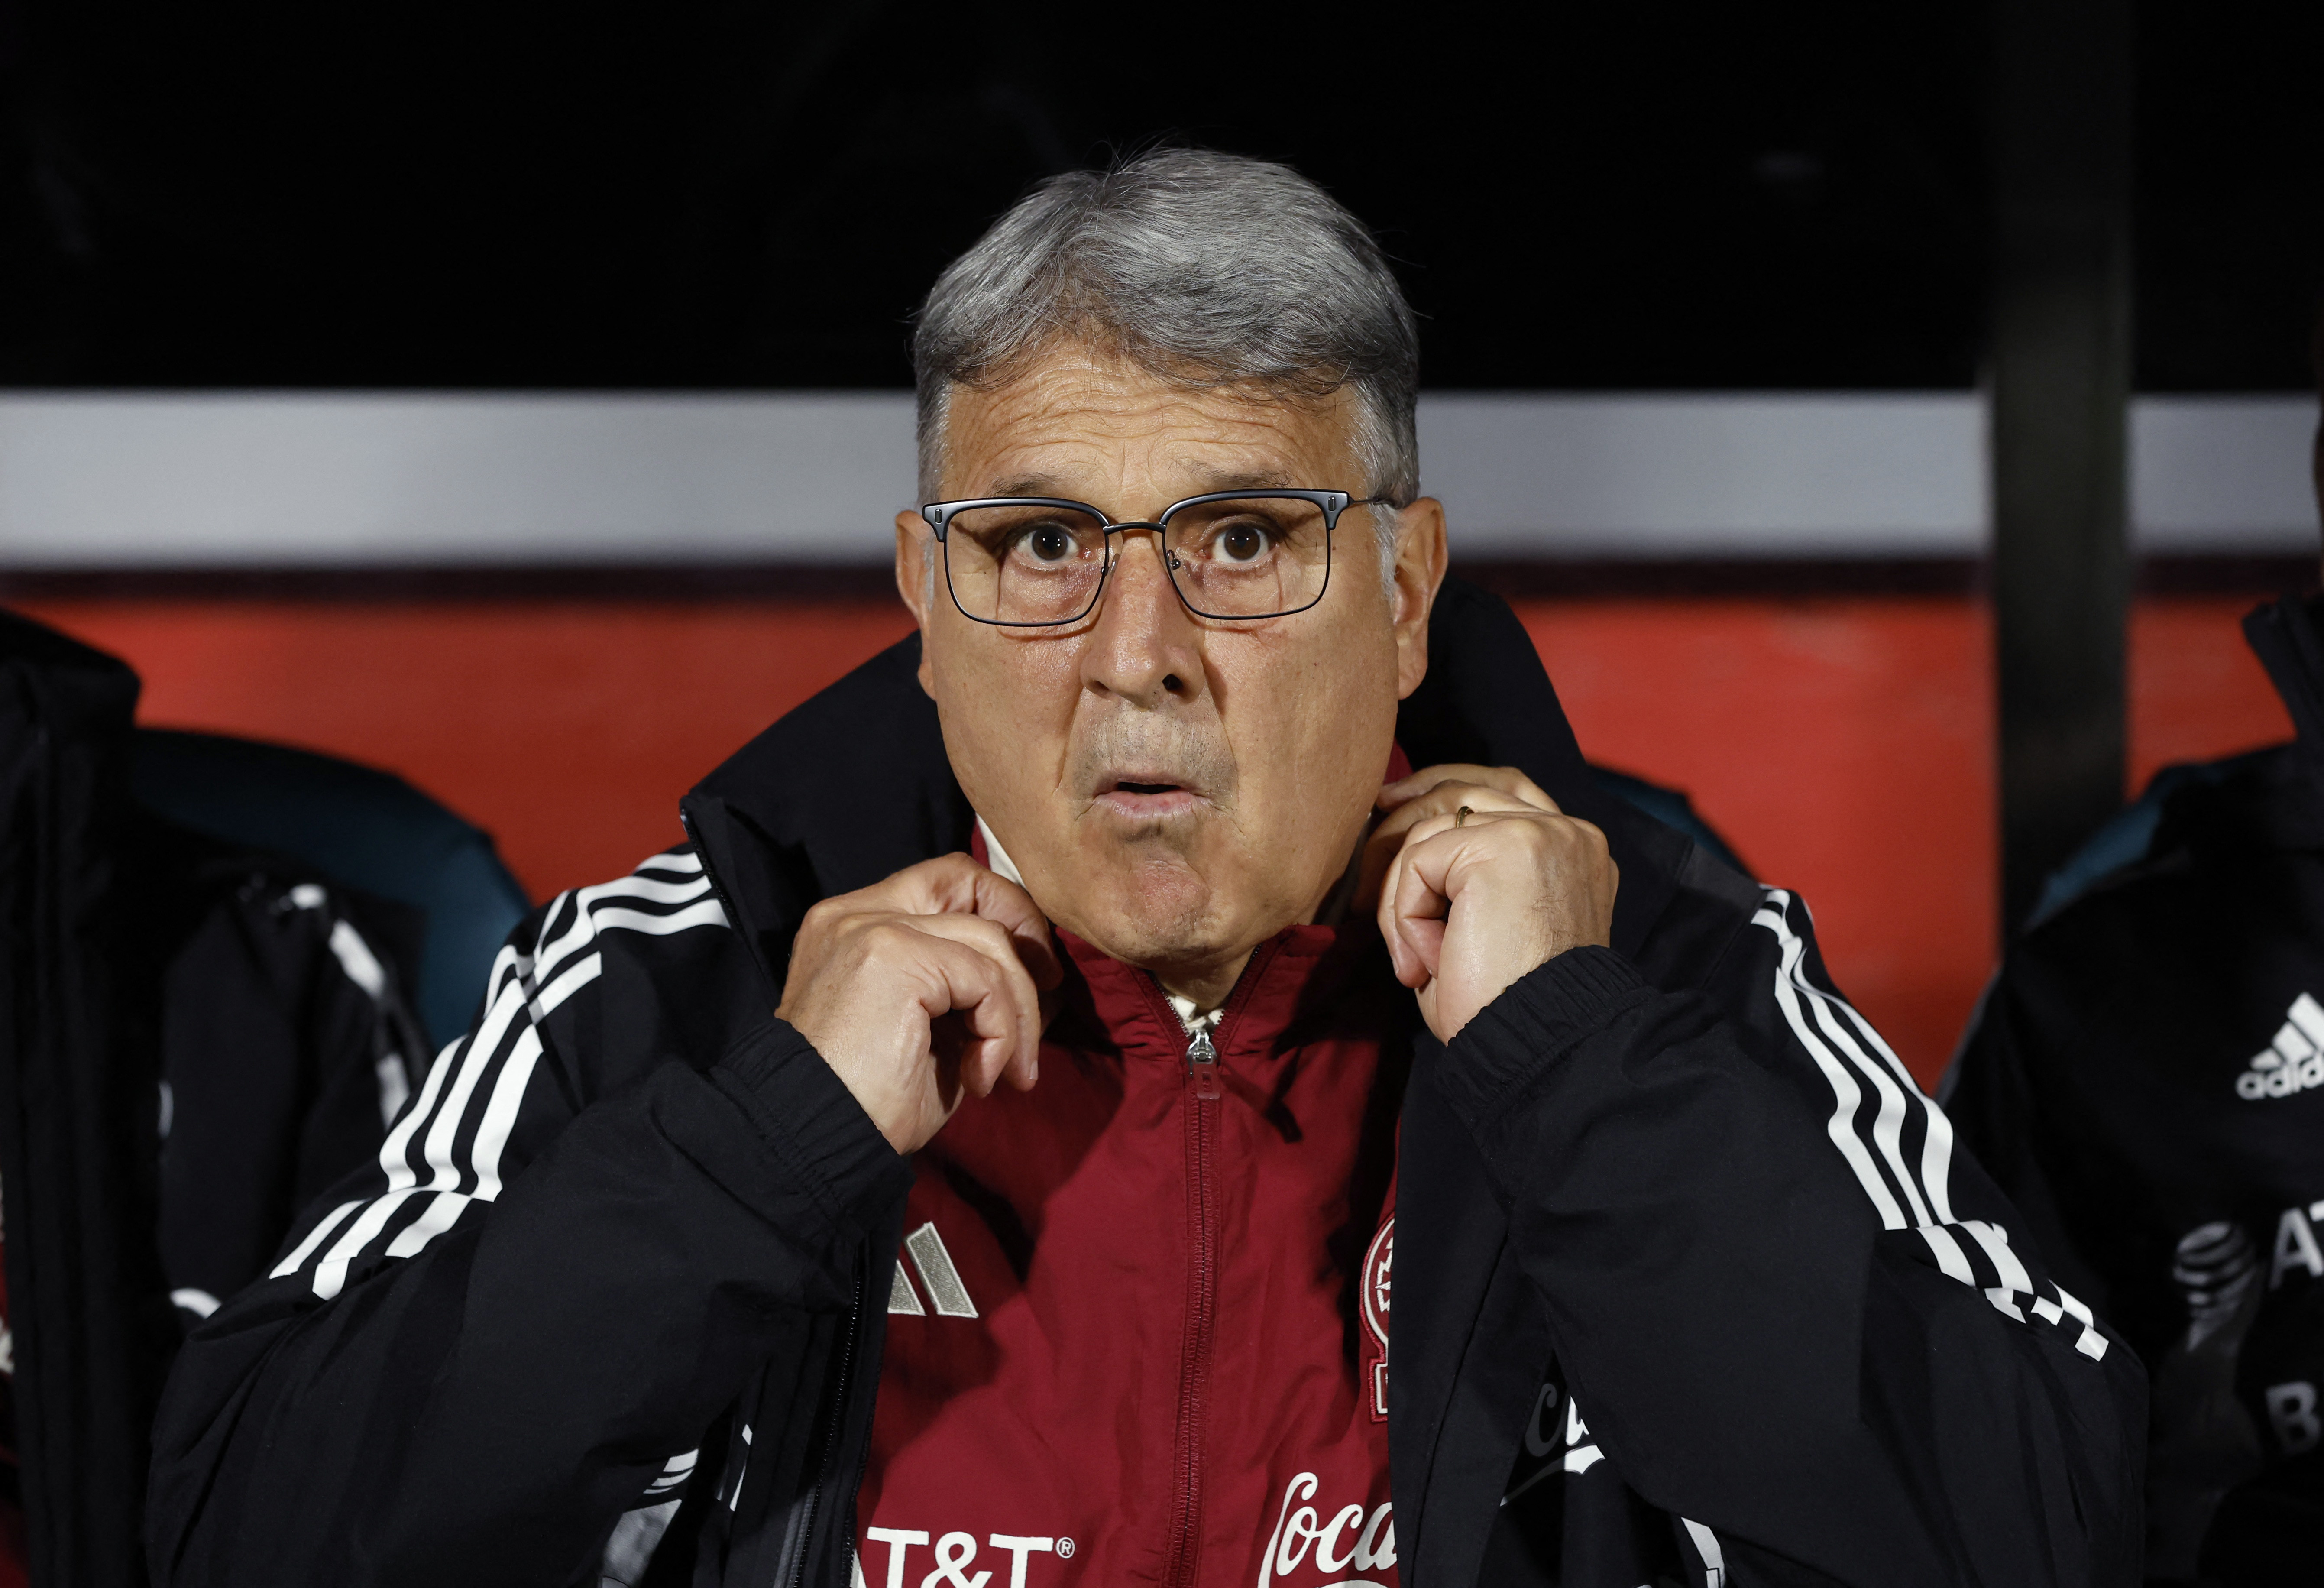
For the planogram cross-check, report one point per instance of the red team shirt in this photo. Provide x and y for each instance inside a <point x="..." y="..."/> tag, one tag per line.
<point x="1138" y="1332"/>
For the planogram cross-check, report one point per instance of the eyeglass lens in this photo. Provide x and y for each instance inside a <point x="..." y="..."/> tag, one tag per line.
<point x="1038" y="564"/>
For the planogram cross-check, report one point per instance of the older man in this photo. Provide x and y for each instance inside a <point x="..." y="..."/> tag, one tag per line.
<point x="719" y="1253"/>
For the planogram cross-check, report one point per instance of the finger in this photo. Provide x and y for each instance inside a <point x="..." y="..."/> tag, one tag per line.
<point x="968" y="1018"/>
<point x="1021" y="1056"/>
<point x="1379" y="894"/>
<point x="1413" y="921"/>
<point x="1429" y="876"/>
<point x="1413" y="938"/>
<point x="1447" y="798"/>
<point x="973" y="985"/>
<point x="1375" y="889"/>
<point x="1425" y="872"/>
<point x="1021" y="1021"/>
<point x="955" y="885"/>
<point x="984" y="1063"/>
<point x="1413" y="946"/>
<point x="1445" y="801"/>
<point x="1435" y="854"/>
<point x="1439" y="857"/>
<point x="1506" y="780"/>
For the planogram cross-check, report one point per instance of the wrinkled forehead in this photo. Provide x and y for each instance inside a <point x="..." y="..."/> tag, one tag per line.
<point x="1099" y="428"/>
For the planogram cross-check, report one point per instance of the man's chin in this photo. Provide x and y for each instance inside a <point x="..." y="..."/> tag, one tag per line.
<point x="1146" y="909"/>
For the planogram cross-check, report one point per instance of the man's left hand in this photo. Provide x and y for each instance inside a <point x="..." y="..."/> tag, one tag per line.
<point x="1468" y="905"/>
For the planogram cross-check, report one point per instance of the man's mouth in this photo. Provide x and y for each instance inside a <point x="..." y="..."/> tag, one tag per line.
<point x="1146" y="798"/>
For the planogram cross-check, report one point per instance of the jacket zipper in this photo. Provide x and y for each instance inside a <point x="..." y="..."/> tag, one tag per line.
<point x="831" y="1439"/>
<point x="1194" y="1379"/>
<point x="822" y="1474"/>
<point x="1203" y="1084"/>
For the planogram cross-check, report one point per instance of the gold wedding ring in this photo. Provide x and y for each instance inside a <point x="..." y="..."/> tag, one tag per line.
<point x="1462" y="815"/>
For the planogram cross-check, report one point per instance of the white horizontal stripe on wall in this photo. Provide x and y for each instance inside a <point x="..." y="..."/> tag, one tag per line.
<point x="1739" y="474"/>
<point x="2222" y="473"/>
<point x="323" y="479"/>
<point x="98" y="481"/>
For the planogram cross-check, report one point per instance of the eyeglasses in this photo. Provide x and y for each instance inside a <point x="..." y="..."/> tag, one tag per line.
<point x="1033" y="562"/>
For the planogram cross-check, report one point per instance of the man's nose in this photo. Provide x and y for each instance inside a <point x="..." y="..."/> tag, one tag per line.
<point x="1146" y="646"/>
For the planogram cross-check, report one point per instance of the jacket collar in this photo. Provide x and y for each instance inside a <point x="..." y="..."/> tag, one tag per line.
<point x="855" y="785"/>
<point x="2287" y="637"/>
<point x="1283" y="996"/>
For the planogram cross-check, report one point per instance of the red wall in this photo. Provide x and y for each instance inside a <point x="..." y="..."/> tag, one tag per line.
<point x="1844" y="744"/>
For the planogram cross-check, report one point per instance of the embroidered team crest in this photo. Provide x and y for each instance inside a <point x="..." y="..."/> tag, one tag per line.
<point x="1378" y="1260"/>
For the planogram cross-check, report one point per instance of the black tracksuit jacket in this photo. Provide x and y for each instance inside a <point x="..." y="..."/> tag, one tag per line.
<point x="632" y="1241"/>
<point x="2144" y="1078"/>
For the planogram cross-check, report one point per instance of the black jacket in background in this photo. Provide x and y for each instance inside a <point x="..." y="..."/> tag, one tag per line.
<point x="285" y="1045"/>
<point x="87" y="1307"/>
<point x="610" y="1306"/>
<point x="194" y="1039"/>
<point x="2144" y="1078"/>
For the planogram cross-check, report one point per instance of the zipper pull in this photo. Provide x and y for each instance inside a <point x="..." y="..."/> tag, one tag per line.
<point x="1203" y="1065"/>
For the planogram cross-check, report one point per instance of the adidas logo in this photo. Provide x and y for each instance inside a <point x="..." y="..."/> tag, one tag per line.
<point x="927" y="1250"/>
<point x="2294" y="1061"/>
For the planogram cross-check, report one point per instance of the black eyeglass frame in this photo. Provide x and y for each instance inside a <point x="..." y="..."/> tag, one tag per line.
<point x="938" y="515"/>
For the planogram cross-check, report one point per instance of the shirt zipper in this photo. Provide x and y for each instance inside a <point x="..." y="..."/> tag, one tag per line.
<point x="1203" y="1086"/>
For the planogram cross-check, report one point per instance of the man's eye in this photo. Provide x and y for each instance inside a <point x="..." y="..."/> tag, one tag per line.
<point x="1048" y="543"/>
<point x="1242" y="542"/>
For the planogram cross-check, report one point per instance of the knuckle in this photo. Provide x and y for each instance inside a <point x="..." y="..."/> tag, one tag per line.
<point x="991" y="937"/>
<point x="890" y="938"/>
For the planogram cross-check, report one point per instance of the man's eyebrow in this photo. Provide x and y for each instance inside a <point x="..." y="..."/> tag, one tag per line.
<point x="1208" y="481"/>
<point x="1032" y="485"/>
<point x="1245" y="480"/>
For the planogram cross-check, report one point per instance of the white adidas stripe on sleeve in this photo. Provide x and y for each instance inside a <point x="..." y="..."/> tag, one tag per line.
<point x="444" y="1153"/>
<point x="1856" y="1063"/>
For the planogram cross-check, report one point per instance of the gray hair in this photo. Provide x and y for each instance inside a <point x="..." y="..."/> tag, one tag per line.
<point x="1199" y="267"/>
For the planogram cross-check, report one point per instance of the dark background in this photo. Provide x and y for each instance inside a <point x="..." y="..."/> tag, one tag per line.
<point x="706" y="195"/>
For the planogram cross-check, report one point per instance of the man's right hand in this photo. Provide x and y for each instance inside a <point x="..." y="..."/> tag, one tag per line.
<point x="919" y="987"/>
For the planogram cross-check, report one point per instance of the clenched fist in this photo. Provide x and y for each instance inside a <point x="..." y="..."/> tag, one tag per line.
<point x="1468" y="905"/>
<point x="922" y="986"/>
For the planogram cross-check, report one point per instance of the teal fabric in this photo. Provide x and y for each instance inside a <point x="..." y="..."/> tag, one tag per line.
<point x="2125" y="839"/>
<point x="1669" y="807"/>
<point x="369" y="830"/>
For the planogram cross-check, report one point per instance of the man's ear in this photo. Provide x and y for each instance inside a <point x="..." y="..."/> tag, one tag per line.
<point x="1418" y="575"/>
<point x="915" y="581"/>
